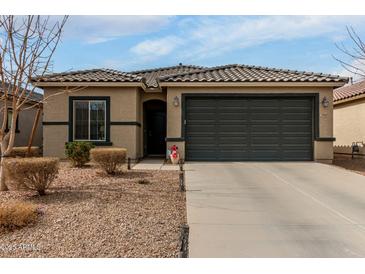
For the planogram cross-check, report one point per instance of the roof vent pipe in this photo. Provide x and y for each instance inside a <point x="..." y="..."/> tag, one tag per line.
<point x="351" y="80"/>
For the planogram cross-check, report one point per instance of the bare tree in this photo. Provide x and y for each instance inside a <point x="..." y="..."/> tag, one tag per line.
<point x="27" y="45"/>
<point x="356" y="54"/>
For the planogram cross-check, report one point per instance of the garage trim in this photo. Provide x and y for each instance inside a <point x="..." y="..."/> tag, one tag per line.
<point x="314" y="96"/>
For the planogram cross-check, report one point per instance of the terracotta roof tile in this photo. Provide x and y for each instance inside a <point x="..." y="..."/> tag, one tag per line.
<point x="32" y="95"/>
<point x="190" y="73"/>
<point x="349" y="91"/>
<point x="244" y="73"/>
<point x="91" y="75"/>
<point x="152" y="75"/>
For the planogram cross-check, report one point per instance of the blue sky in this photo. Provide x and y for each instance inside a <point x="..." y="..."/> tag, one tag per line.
<point x="136" y="42"/>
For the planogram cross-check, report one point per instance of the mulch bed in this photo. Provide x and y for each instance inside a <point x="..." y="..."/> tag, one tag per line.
<point x="357" y="164"/>
<point x="89" y="214"/>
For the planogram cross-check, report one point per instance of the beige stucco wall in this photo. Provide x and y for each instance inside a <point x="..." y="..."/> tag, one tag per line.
<point x="25" y="123"/>
<point x="127" y="105"/>
<point x="124" y="107"/>
<point x="54" y="139"/>
<point x="323" y="150"/>
<point x="349" y="126"/>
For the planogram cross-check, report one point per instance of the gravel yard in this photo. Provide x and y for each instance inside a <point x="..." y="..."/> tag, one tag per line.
<point x="357" y="164"/>
<point x="89" y="214"/>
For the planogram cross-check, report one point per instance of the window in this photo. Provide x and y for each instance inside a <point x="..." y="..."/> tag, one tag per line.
<point x="9" y="121"/>
<point x="89" y="120"/>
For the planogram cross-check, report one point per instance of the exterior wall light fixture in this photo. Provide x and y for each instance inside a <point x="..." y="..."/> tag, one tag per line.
<point x="176" y="101"/>
<point x="325" y="102"/>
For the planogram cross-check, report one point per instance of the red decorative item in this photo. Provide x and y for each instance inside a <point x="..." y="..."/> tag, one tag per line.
<point x="174" y="155"/>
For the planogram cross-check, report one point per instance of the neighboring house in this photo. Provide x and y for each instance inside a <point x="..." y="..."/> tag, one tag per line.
<point x="225" y="113"/>
<point x="349" y="117"/>
<point x="25" y="121"/>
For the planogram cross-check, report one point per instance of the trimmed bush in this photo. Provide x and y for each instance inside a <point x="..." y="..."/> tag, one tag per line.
<point x="16" y="214"/>
<point x="22" y="152"/>
<point x="32" y="173"/>
<point x="78" y="152"/>
<point x="109" y="159"/>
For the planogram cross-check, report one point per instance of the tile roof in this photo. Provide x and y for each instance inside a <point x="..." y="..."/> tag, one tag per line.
<point x="152" y="75"/>
<point x="349" y="91"/>
<point x="190" y="73"/>
<point x="33" y="96"/>
<point x="244" y="73"/>
<point x="91" y="75"/>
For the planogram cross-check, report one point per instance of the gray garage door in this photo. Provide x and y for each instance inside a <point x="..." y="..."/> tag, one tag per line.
<point x="248" y="129"/>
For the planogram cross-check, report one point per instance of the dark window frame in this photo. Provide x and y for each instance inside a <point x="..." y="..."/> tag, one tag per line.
<point x="16" y="124"/>
<point x="71" y="100"/>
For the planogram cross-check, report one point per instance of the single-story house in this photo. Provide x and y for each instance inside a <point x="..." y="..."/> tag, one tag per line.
<point x="223" y="113"/>
<point x="25" y="120"/>
<point x="349" y="117"/>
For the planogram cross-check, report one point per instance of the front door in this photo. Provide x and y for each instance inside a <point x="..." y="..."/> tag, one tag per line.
<point x="155" y="118"/>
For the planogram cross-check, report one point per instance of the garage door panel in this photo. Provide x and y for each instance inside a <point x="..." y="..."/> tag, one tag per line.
<point x="234" y="116"/>
<point x="299" y="140"/>
<point x="200" y="127"/>
<point x="201" y="140"/>
<point x="299" y="128"/>
<point x="264" y="129"/>
<point x="262" y="140"/>
<point x="263" y="102"/>
<point x="227" y="128"/>
<point x="265" y="155"/>
<point x="297" y="154"/>
<point x="232" y="155"/>
<point x="294" y="116"/>
<point x="242" y="141"/>
<point x="265" y="116"/>
<point x="232" y="102"/>
<point x="221" y="128"/>
<point x="199" y="103"/>
<point x="202" y="155"/>
<point x="201" y="116"/>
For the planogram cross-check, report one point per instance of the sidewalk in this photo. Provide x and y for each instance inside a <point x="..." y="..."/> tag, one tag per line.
<point x="154" y="164"/>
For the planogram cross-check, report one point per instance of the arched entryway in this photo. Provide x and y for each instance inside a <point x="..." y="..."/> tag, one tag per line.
<point x="154" y="130"/>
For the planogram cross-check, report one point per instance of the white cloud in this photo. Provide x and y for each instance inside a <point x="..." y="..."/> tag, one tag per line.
<point x="203" y="37"/>
<point x="356" y="70"/>
<point x="216" y="37"/>
<point x="157" y="47"/>
<point x="98" y="29"/>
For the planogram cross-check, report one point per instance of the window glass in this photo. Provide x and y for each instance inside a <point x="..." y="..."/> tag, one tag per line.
<point x="10" y="121"/>
<point x="10" y="115"/>
<point x="97" y="120"/>
<point x="89" y="120"/>
<point x="81" y="113"/>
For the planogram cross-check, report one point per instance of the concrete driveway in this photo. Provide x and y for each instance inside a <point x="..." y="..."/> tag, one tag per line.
<point x="275" y="210"/>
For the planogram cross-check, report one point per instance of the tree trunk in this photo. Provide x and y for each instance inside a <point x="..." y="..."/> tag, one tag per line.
<point x="3" y="186"/>
<point x="35" y="123"/>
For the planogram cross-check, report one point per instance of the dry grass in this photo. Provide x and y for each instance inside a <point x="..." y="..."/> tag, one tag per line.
<point x="17" y="214"/>
<point x="109" y="159"/>
<point x="35" y="173"/>
<point x="357" y="164"/>
<point x="22" y="152"/>
<point x="90" y="214"/>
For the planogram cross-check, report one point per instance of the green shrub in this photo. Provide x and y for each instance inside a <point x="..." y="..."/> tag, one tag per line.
<point x="109" y="159"/>
<point x="78" y="152"/>
<point x="35" y="173"/>
<point x="16" y="214"/>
